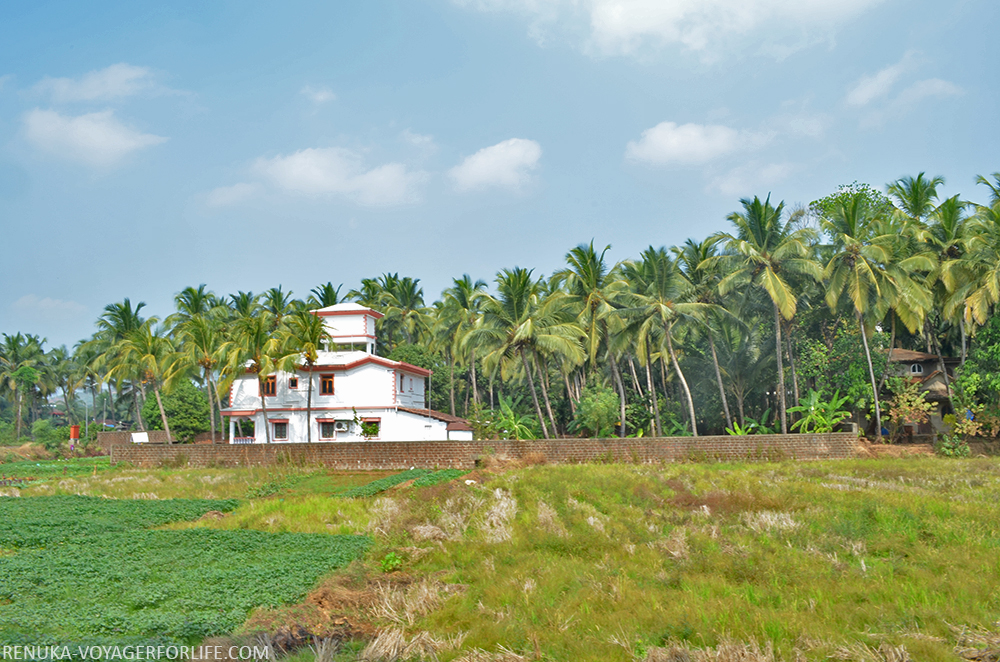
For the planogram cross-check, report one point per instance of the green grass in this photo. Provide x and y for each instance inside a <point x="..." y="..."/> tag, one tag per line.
<point x="43" y="469"/>
<point x="79" y="570"/>
<point x="601" y="562"/>
<point x="811" y="557"/>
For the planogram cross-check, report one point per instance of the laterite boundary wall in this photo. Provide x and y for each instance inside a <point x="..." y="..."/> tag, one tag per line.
<point x="464" y="454"/>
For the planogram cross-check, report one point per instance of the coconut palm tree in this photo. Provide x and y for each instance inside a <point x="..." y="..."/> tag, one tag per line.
<point x="763" y="253"/>
<point x="455" y="316"/>
<point x="324" y="295"/>
<point x="304" y="335"/>
<point x="665" y="299"/>
<point x="695" y="261"/>
<point x="117" y="322"/>
<point x="592" y="288"/>
<point x="519" y="323"/>
<point x="253" y="346"/>
<point x="148" y="351"/>
<point x="21" y="358"/>
<point x="200" y="337"/>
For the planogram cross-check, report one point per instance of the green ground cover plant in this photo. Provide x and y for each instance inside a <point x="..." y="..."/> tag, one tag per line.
<point x="382" y="484"/>
<point x="81" y="570"/>
<point x="438" y="477"/>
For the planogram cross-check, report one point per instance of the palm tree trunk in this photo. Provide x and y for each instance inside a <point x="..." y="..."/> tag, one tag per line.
<point x="718" y="378"/>
<point x="569" y="394"/>
<point x="211" y="403"/>
<point x="888" y="358"/>
<point x="621" y="394"/>
<point x="791" y="364"/>
<point x="545" y="392"/>
<point x="653" y="397"/>
<point x="163" y="413"/>
<point x="684" y="384"/>
<point x="871" y="372"/>
<point x="309" y="407"/>
<point x="635" y="377"/>
<point x="451" y="383"/>
<point x="138" y="410"/>
<point x="534" y="396"/>
<point x="17" y="426"/>
<point x="475" y="387"/>
<point x="263" y="406"/>
<point x="961" y="325"/>
<point x="781" y="369"/>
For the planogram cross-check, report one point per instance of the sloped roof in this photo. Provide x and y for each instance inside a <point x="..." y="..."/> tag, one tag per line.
<point x="345" y="308"/>
<point x="911" y="356"/>
<point x="454" y="422"/>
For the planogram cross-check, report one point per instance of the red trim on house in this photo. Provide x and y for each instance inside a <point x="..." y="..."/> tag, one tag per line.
<point x="237" y="412"/>
<point x="292" y="387"/>
<point x="370" y="358"/>
<point x="334" y="313"/>
<point x="277" y="420"/>
<point x="371" y="419"/>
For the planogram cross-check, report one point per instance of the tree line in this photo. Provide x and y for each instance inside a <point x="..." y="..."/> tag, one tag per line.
<point x="753" y="329"/>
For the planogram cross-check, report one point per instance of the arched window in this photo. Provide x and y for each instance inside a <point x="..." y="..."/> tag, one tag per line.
<point x="916" y="369"/>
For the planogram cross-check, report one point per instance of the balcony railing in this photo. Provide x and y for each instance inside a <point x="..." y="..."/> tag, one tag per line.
<point x="243" y="440"/>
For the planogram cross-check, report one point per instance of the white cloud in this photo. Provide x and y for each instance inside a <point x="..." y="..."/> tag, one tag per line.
<point x="506" y="165"/>
<point x="878" y="85"/>
<point x="225" y="196"/>
<point x="625" y="26"/>
<point x="749" y="178"/>
<point x="337" y="171"/>
<point x="97" y="139"/>
<point x="924" y="89"/>
<point x="5" y="79"/>
<point x="417" y="139"/>
<point x="114" y="82"/>
<point x="34" y="309"/>
<point x="668" y="142"/>
<point x="318" y="94"/>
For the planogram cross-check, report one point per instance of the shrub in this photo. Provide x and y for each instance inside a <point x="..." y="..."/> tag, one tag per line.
<point x="187" y="411"/>
<point x="598" y="412"/>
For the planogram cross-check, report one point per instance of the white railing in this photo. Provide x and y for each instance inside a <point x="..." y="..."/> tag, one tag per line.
<point x="243" y="440"/>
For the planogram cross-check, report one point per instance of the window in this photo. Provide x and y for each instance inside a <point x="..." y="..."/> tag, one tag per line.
<point x="327" y="430"/>
<point x="269" y="386"/>
<point x="401" y="383"/>
<point x="916" y="369"/>
<point x="326" y="384"/>
<point x="371" y="427"/>
<point x="280" y="429"/>
<point x="293" y="383"/>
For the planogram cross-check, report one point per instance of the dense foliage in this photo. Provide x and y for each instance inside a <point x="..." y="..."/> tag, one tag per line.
<point x="728" y="332"/>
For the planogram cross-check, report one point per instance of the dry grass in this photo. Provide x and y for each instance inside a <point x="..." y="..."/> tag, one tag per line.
<point x="726" y="651"/>
<point x="496" y="525"/>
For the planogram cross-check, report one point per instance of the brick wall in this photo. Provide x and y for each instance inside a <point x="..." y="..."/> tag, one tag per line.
<point x="373" y="455"/>
<point x="108" y="439"/>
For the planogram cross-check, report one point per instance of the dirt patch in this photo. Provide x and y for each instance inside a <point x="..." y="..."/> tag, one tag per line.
<point x="212" y="515"/>
<point x="722" y="502"/>
<point x="866" y="449"/>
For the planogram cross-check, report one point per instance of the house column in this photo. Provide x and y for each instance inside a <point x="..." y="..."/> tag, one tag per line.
<point x="232" y="428"/>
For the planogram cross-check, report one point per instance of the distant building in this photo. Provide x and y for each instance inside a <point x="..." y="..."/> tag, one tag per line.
<point x="356" y="395"/>
<point x="926" y="369"/>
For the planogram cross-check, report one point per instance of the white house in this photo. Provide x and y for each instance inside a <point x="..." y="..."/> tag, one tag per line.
<point x="356" y="395"/>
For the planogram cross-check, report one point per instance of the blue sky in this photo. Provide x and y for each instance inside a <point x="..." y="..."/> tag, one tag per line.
<point x="145" y="148"/>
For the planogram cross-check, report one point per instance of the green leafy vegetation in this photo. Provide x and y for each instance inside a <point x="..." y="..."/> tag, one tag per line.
<point x="438" y="477"/>
<point x="186" y="408"/>
<point x="382" y="484"/>
<point x="89" y="570"/>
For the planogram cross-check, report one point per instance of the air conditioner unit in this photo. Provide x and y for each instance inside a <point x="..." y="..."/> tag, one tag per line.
<point x="342" y="426"/>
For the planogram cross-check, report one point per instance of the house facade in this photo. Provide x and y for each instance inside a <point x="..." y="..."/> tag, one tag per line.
<point x="926" y="370"/>
<point x="356" y="395"/>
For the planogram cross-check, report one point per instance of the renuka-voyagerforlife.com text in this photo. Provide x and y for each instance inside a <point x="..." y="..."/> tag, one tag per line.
<point x="133" y="653"/>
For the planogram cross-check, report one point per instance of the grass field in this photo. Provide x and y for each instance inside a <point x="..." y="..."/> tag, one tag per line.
<point x="853" y="560"/>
